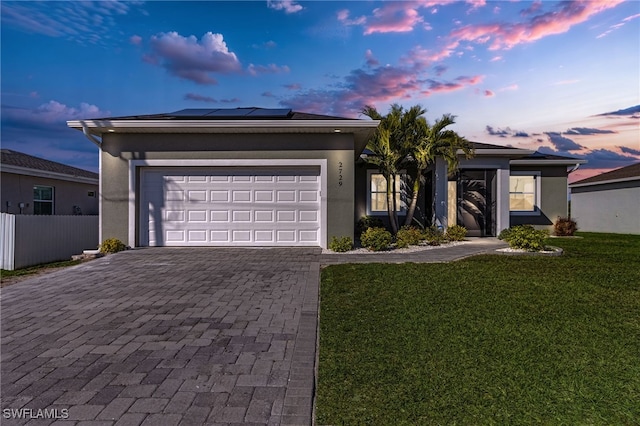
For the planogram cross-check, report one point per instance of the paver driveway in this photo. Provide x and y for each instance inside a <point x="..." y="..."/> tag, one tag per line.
<point x="164" y="336"/>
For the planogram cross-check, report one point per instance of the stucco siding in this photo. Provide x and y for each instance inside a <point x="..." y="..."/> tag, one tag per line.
<point x="613" y="211"/>
<point x="120" y="148"/>
<point x="553" y="200"/>
<point x="17" y="188"/>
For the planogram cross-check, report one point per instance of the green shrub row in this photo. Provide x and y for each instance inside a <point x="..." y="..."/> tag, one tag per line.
<point x="341" y="244"/>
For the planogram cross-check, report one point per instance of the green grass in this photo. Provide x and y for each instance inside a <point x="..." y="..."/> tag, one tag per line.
<point x="37" y="268"/>
<point x="487" y="340"/>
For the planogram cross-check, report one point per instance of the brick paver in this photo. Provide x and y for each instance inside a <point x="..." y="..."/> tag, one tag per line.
<point x="165" y="336"/>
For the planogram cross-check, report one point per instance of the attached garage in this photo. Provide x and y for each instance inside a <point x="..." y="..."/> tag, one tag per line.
<point x="227" y="177"/>
<point x="230" y="206"/>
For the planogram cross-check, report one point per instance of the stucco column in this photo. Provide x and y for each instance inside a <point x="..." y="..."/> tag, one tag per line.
<point x="502" y="196"/>
<point x="440" y="194"/>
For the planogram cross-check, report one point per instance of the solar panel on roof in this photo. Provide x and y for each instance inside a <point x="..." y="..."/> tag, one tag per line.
<point x="270" y="113"/>
<point x="192" y="112"/>
<point x="235" y="112"/>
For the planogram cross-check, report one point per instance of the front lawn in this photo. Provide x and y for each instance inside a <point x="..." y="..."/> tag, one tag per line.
<point x="487" y="340"/>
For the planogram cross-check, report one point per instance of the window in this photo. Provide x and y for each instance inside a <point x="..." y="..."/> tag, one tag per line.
<point x="43" y="200"/>
<point x="377" y="202"/>
<point x="523" y="192"/>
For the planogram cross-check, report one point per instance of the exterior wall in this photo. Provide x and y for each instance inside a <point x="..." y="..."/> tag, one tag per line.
<point x="607" y="208"/>
<point x="18" y="189"/>
<point x="553" y="197"/>
<point x="118" y="149"/>
<point x="362" y="194"/>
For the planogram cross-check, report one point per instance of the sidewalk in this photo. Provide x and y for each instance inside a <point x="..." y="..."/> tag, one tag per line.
<point x="444" y="253"/>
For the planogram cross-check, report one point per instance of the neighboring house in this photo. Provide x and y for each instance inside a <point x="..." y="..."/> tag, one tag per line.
<point x="32" y="185"/>
<point x="265" y="177"/>
<point x="608" y="202"/>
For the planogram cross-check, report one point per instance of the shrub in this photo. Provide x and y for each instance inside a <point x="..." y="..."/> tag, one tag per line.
<point x="433" y="236"/>
<point x="376" y="239"/>
<point x="341" y="244"/>
<point x="565" y="227"/>
<point x="367" y="222"/>
<point x="408" y="236"/>
<point x="112" y="245"/>
<point x="456" y="233"/>
<point x="525" y="237"/>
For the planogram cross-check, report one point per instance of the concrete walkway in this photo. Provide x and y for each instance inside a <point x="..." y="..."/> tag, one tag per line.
<point x="185" y="336"/>
<point x="444" y="253"/>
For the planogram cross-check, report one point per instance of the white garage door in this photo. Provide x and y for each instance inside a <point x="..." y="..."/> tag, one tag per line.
<point x="230" y="206"/>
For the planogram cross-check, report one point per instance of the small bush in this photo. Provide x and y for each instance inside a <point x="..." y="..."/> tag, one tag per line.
<point x="408" y="236"/>
<point x="341" y="244"/>
<point x="112" y="245"/>
<point x="456" y="233"/>
<point x="433" y="236"/>
<point x="525" y="237"/>
<point x="367" y="222"/>
<point x="565" y="227"/>
<point x="376" y="239"/>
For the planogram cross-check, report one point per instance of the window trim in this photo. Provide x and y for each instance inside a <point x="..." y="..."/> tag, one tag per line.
<point x="52" y="201"/>
<point x="403" y="202"/>
<point x="536" y="208"/>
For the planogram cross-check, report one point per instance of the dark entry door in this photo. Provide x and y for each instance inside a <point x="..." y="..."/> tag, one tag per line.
<point x="476" y="205"/>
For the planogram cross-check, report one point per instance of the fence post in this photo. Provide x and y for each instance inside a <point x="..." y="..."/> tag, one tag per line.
<point x="7" y="241"/>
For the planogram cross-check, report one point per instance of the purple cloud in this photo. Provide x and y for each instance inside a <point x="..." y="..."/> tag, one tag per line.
<point x="267" y="69"/>
<point x="633" y="111"/>
<point x="628" y="150"/>
<point x="497" y="132"/>
<point x="83" y="22"/>
<point x="199" y="98"/>
<point x="561" y="143"/>
<point x="193" y="59"/>
<point x="585" y="131"/>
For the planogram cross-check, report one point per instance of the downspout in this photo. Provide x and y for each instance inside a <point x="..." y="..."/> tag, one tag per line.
<point x="89" y="136"/>
<point x="98" y="143"/>
<point x="574" y="168"/>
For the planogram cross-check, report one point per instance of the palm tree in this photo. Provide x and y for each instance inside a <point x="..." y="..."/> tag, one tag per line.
<point x="428" y="143"/>
<point x="387" y="146"/>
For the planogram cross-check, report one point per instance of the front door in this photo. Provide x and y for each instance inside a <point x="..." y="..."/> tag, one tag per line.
<point x="476" y="203"/>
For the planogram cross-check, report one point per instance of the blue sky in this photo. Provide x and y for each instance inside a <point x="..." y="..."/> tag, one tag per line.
<point x="560" y="77"/>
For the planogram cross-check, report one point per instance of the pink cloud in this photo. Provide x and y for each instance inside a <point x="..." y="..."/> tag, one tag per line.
<point x="289" y="6"/>
<point x="343" y="16"/>
<point x="509" y="88"/>
<point x="293" y="86"/>
<point x="370" y="87"/>
<point x="394" y="17"/>
<point x="489" y="94"/>
<point x="371" y="60"/>
<point x="496" y="59"/>
<point x="506" y="36"/>
<point x="193" y="59"/>
<point x="267" y="69"/>
<point x="135" y="40"/>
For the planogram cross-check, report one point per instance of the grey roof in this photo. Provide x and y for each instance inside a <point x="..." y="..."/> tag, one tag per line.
<point x="20" y="159"/>
<point x="627" y="172"/>
<point x="252" y="113"/>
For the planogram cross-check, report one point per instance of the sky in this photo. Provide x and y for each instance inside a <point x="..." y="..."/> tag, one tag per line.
<point x="558" y="77"/>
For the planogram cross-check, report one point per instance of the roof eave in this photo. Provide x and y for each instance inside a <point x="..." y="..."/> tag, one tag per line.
<point x="604" y="182"/>
<point x="26" y="171"/>
<point x="510" y="152"/>
<point x="542" y="162"/>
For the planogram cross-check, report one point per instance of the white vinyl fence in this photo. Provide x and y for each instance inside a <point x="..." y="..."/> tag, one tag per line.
<point x="27" y="240"/>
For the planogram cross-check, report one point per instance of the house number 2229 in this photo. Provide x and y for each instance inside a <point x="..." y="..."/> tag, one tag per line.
<point x="339" y="173"/>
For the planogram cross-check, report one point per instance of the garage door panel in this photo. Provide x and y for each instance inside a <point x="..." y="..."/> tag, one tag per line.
<point x="227" y="206"/>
